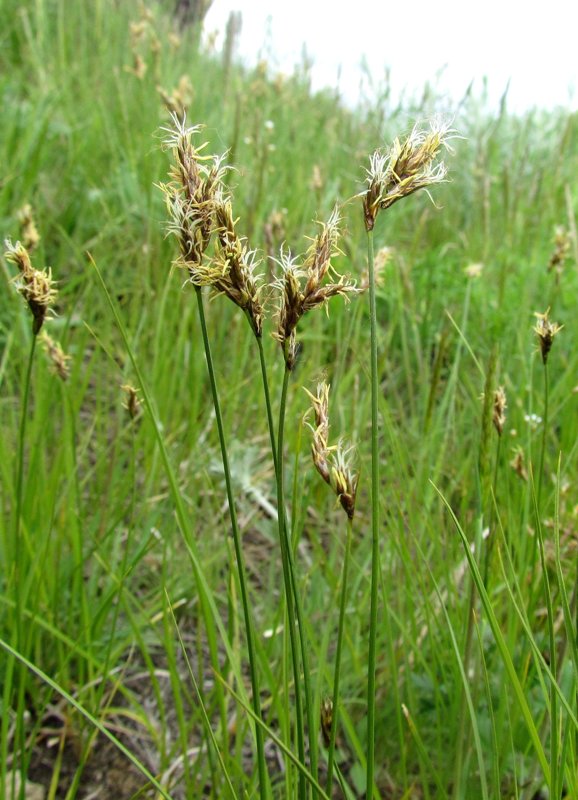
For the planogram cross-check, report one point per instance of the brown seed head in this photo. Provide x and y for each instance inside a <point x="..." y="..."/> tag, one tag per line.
<point x="29" y="235"/>
<point x="545" y="331"/>
<point x="499" y="410"/>
<point x="518" y="464"/>
<point x="561" y="250"/>
<point x="344" y="480"/>
<point x="132" y="404"/>
<point x="297" y="300"/>
<point x="332" y="463"/>
<point x="406" y="167"/>
<point x="190" y="197"/>
<point x="237" y="265"/>
<point x="57" y="356"/>
<point x="180" y="98"/>
<point x="35" y="286"/>
<point x="326" y="719"/>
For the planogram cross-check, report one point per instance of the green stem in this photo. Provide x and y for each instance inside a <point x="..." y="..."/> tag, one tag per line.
<point x="238" y="551"/>
<point x="270" y="422"/>
<point x="278" y="459"/>
<point x="18" y="568"/>
<point x="337" y="672"/>
<point x="374" y="524"/>
<point x="554" y="743"/>
<point x="20" y="488"/>
<point x="289" y="581"/>
<point x="544" y="433"/>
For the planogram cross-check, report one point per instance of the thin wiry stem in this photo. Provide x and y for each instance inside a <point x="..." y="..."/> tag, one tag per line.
<point x="18" y="550"/>
<point x="263" y="782"/>
<point x="288" y="581"/>
<point x="544" y="432"/>
<point x="289" y="569"/>
<point x="374" y="523"/>
<point x="337" y="670"/>
<point x="20" y="489"/>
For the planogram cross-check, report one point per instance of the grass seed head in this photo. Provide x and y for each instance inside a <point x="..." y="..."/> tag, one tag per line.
<point x="36" y="286"/>
<point x="132" y="403"/>
<point x="58" y="358"/>
<point x="332" y="463"/>
<point x="499" y="410"/>
<point x="406" y="167"/>
<point x="296" y="299"/>
<point x="237" y="265"/>
<point x="326" y="719"/>
<point x="29" y="235"/>
<point x="190" y="197"/>
<point x="545" y="331"/>
<point x="561" y="250"/>
<point x="518" y="464"/>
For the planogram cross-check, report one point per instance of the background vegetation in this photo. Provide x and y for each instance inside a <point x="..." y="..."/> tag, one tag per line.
<point x="98" y="589"/>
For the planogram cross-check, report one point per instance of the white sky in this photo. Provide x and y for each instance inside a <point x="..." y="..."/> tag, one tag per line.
<point x="532" y="44"/>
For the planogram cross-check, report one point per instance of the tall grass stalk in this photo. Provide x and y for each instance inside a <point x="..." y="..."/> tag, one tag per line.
<point x="374" y="521"/>
<point x="291" y="596"/>
<point x="338" y="650"/>
<point x="554" y="733"/>
<point x="253" y="666"/>
<point x="543" y="442"/>
<point x="19" y="535"/>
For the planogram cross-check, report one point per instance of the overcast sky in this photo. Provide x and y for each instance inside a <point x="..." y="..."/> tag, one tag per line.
<point x="531" y="44"/>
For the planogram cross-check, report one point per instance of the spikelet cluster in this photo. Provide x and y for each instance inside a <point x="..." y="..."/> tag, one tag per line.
<point x="200" y="207"/>
<point x="58" y="358"/>
<point x="302" y="286"/>
<point x="406" y="167"/>
<point x="190" y="195"/>
<point x="237" y="266"/>
<point x="36" y="286"/>
<point x="331" y="462"/>
<point x="29" y="235"/>
<point x="561" y="250"/>
<point x="545" y="331"/>
<point x="131" y="403"/>
<point x="499" y="410"/>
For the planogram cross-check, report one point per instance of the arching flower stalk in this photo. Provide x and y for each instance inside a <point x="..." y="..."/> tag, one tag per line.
<point x="398" y="172"/>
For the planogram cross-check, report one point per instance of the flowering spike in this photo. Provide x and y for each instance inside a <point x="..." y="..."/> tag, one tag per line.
<point x="35" y="286"/>
<point x="406" y="167"/>
<point x="545" y="331"/>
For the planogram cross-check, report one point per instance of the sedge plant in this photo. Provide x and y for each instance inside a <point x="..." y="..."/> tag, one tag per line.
<point x="191" y="198"/>
<point x="392" y="175"/>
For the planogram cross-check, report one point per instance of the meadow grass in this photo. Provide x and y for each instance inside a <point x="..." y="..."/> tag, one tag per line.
<point x="122" y="618"/>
